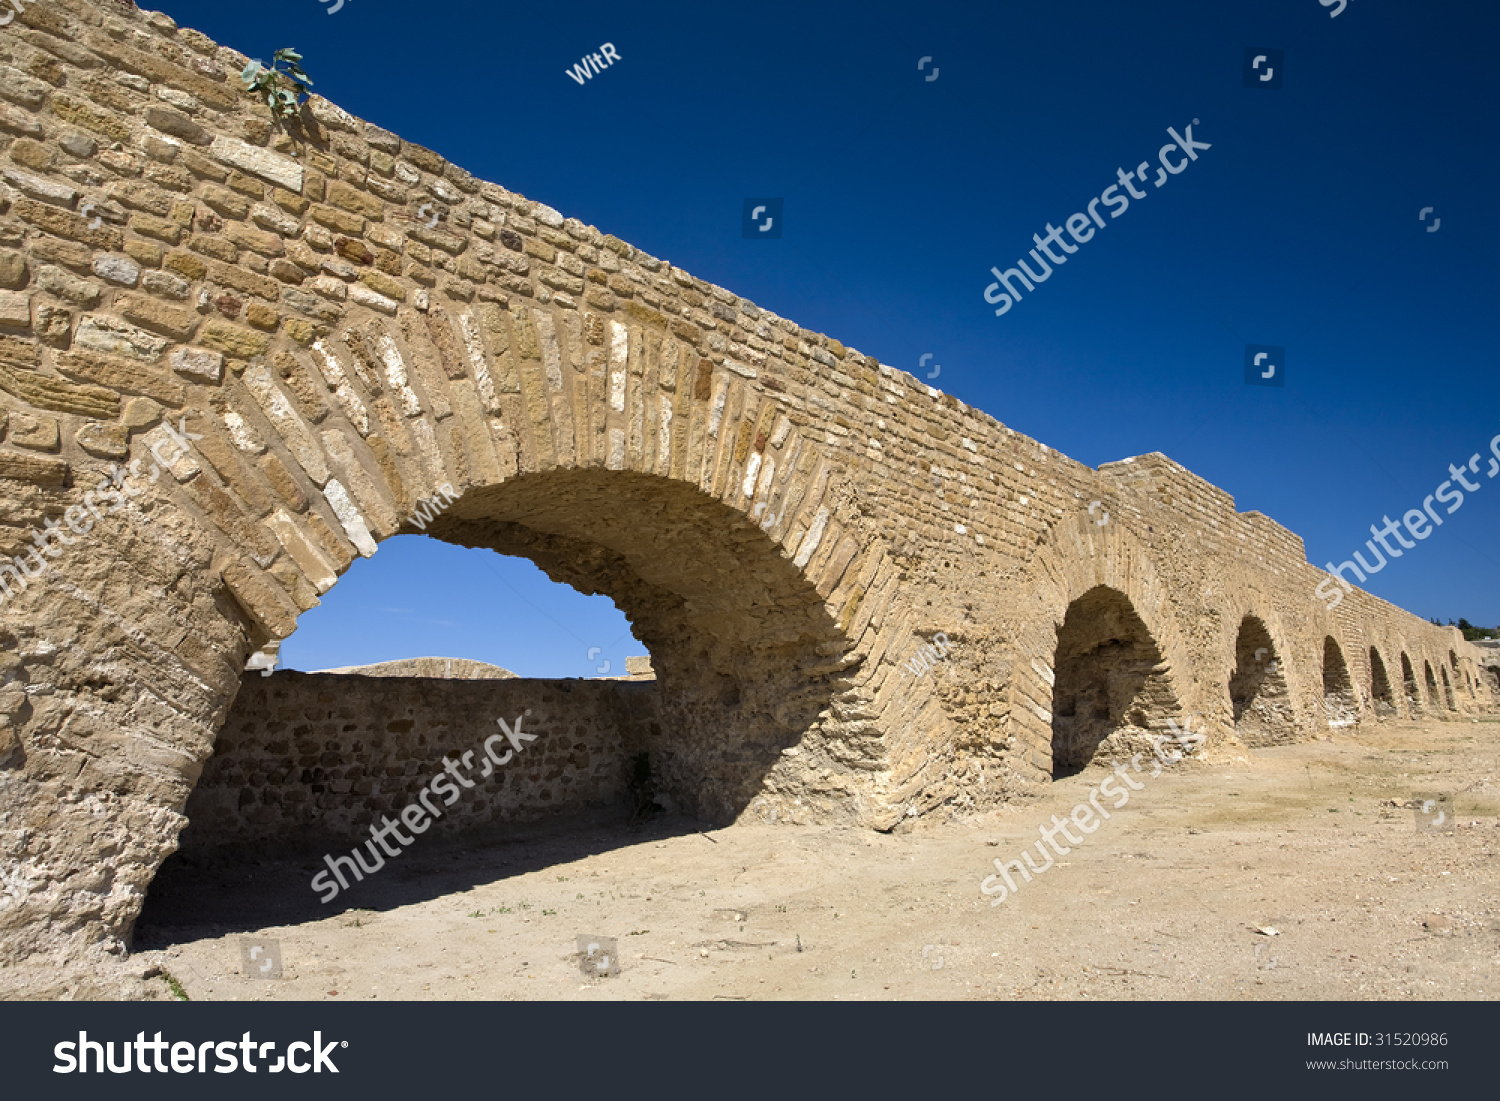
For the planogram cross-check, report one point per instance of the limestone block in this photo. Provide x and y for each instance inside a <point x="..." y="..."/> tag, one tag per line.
<point x="349" y="516"/>
<point x="117" y="269"/>
<point x="101" y="333"/>
<point x="35" y="433"/>
<point x="104" y="441"/>
<point x="15" y="311"/>
<point x="279" y="170"/>
<point x="200" y="364"/>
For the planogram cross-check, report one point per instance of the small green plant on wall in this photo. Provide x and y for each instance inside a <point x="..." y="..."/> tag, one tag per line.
<point x="285" y="89"/>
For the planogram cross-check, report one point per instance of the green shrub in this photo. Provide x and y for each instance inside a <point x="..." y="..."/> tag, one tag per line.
<point x="285" y="89"/>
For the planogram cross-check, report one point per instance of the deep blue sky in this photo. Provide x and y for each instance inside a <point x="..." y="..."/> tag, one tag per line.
<point x="1298" y="228"/>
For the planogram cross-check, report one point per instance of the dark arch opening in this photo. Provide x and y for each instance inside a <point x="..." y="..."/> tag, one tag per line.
<point x="1432" y="684"/>
<point x="747" y="663"/>
<point x="1380" y="687"/>
<point x="1258" y="691"/>
<point x="1339" y="702"/>
<point x="1448" y="691"/>
<point x="1409" y="686"/>
<point x="1111" y="691"/>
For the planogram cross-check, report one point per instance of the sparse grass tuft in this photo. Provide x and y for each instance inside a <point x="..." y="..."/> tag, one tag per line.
<point x="173" y="985"/>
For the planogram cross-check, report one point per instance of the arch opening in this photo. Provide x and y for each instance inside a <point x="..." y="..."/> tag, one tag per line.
<point x="1111" y="691"/>
<point x="1448" y="691"/>
<point x="1258" y="692"/>
<point x="1432" y="685"/>
<point x="1384" y="700"/>
<point x="1409" y="686"/>
<point x="744" y="660"/>
<point x="1339" y="701"/>
<point x="745" y="653"/>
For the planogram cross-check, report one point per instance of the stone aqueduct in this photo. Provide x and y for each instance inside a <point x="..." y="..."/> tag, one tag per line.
<point x="784" y="519"/>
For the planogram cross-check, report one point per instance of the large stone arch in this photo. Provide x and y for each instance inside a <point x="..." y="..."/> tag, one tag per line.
<point x="1107" y="565"/>
<point x="680" y="487"/>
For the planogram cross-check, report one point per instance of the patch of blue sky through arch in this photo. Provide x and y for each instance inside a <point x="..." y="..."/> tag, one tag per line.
<point x="420" y="597"/>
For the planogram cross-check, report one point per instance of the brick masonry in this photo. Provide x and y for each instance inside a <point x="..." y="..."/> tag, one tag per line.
<point x="784" y="519"/>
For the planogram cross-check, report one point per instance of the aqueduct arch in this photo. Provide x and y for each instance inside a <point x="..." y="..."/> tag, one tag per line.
<point x="1258" y="692"/>
<point x="259" y="315"/>
<point x="747" y="658"/>
<point x="1409" y="686"/>
<point x="1382" y="698"/>
<point x="1339" y="699"/>
<point x="1113" y="691"/>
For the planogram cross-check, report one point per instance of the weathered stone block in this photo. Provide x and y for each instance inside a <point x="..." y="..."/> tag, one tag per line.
<point x="45" y="392"/>
<point x="233" y="340"/>
<point x="15" y="311"/>
<point x="177" y="322"/>
<point x="64" y="223"/>
<point x="199" y="364"/>
<point x="13" y="272"/>
<point x="279" y="170"/>
<point x="104" y="441"/>
<point x="120" y="375"/>
<point x="101" y="333"/>
<point x="34" y="433"/>
<point x="33" y="469"/>
<point x="179" y="126"/>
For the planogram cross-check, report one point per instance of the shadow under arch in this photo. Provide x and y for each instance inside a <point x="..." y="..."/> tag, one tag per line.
<point x="1258" y="693"/>
<point x="1409" y="686"/>
<point x="746" y="654"/>
<point x="1382" y="698"/>
<point x="1340" y="704"/>
<point x="1112" y="691"/>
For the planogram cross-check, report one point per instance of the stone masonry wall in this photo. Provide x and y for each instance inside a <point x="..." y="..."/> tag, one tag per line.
<point x="306" y="756"/>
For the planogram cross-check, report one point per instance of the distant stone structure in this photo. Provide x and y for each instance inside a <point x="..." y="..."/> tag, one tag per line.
<point x="435" y="668"/>
<point x="268" y="320"/>
<point x="319" y="757"/>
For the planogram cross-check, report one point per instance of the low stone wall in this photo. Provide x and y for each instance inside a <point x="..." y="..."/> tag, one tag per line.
<point x="307" y="756"/>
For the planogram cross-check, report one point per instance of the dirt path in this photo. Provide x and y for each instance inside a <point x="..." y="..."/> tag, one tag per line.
<point x="1163" y="901"/>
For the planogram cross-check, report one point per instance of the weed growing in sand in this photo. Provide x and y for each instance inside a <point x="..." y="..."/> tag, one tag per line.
<point x="174" y="986"/>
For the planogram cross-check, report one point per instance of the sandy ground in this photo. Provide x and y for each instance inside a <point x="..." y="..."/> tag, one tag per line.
<point x="1174" y="897"/>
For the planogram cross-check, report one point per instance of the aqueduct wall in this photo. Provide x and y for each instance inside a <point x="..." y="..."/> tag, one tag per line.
<point x="313" y="757"/>
<point x="784" y="519"/>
